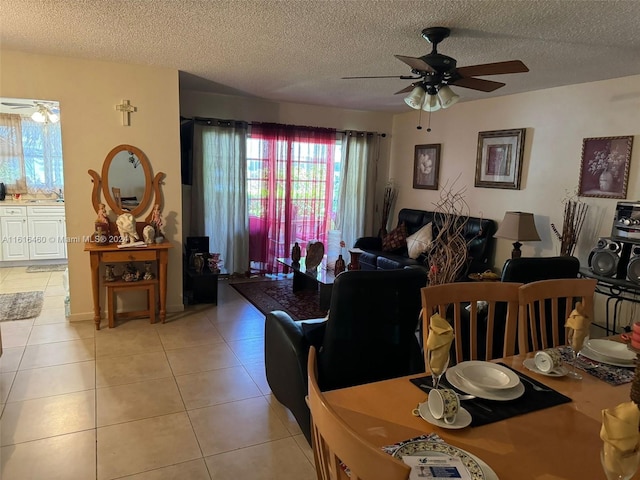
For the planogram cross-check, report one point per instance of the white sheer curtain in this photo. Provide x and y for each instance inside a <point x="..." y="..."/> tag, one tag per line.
<point x="356" y="208"/>
<point x="219" y="192"/>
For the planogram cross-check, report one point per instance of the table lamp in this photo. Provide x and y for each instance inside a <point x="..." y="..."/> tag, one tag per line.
<point x="518" y="226"/>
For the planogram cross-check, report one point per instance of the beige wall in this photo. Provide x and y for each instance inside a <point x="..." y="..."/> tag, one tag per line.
<point x="88" y="92"/>
<point x="556" y="121"/>
<point x="198" y="104"/>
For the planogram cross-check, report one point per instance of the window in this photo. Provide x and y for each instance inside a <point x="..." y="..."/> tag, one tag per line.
<point x="30" y="155"/>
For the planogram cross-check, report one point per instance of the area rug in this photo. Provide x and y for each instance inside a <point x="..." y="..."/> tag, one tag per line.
<point x="18" y="306"/>
<point x="46" y="268"/>
<point x="279" y="295"/>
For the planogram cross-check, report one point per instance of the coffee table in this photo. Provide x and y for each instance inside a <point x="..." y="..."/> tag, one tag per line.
<point x="319" y="279"/>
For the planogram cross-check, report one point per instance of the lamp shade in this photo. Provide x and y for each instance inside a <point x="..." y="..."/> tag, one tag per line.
<point x="447" y="96"/>
<point x="415" y="98"/>
<point x="431" y="103"/>
<point x="518" y="226"/>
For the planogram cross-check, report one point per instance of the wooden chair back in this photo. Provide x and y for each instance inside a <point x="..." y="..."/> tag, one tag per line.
<point x="544" y="308"/>
<point x="335" y="443"/>
<point x="453" y="298"/>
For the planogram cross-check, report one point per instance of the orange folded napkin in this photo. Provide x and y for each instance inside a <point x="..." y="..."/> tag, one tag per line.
<point x="621" y="438"/>
<point x="438" y="343"/>
<point x="579" y="324"/>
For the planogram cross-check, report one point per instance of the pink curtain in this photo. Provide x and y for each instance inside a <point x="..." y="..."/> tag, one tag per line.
<point x="290" y="190"/>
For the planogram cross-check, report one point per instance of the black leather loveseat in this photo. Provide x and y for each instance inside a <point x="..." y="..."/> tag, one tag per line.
<point x="478" y="233"/>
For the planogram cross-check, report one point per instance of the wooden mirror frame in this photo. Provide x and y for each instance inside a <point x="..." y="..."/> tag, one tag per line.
<point x="152" y="184"/>
<point x="106" y="188"/>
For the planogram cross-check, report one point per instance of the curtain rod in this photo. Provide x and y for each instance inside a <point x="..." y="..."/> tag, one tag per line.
<point x="219" y="122"/>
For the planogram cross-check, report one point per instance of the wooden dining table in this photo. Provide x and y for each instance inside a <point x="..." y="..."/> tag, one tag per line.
<point x="560" y="442"/>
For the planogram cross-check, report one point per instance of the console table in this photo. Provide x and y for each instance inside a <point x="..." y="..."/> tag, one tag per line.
<point x="158" y="252"/>
<point x="616" y="291"/>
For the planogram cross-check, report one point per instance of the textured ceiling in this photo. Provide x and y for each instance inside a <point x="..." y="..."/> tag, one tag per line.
<point x="297" y="51"/>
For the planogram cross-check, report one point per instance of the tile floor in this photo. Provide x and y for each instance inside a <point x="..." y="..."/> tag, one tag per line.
<point x="183" y="400"/>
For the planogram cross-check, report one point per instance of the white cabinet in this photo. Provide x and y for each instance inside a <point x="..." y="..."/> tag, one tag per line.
<point x="13" y="226"/>
<point x="33" y="232"/>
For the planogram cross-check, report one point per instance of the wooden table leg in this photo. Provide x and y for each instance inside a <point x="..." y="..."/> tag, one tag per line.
<point x="162" y="283"/>
<point x="95" y="287"/>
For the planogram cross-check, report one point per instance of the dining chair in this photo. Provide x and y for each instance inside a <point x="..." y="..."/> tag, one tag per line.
<point x="545" y="305"/>
<point x="474" y="332"/>
<point x="336" y="444"/>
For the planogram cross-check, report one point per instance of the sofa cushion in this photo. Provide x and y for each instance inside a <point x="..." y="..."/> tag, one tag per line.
<point x="419" y="242"/>
<point x="396" y="239"/>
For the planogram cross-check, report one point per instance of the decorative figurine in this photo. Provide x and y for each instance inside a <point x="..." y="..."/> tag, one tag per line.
<point x="148" y="274"/>
<point x="131" y="273"/>
<point x="295" y="253"/>
<point x="99" y="236"/>
<point x="108" y="273"/>
<point x="149" y="234"/>
<point x="340" y="265"/>
<point x="127" y="228"/>
<point x="156" y="220"/>
<point x="102" y="224"/>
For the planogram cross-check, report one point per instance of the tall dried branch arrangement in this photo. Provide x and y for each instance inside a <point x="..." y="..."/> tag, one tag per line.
<point x="575" y="212"/>
<point x="448" y="254"/>
<point x="390" y="194"/>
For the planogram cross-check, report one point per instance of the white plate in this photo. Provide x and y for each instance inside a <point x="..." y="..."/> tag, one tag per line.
<point x="478" y="470"/>
<point x="500" y="395"/>
<point x="613" y="350"/>
<point x="487" y="375"/>
<point x="463" y="418"/>
<point x="530" y="364"/>
<point x="587" y="352"/>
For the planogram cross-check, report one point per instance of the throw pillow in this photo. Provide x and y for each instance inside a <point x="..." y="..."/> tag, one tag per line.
<point x="420" y="241"/>
<point x="395" y="239"/>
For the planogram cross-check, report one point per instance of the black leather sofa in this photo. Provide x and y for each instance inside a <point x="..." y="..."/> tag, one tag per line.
<point x="478" y="233"/>
<point x="369" y="336"/>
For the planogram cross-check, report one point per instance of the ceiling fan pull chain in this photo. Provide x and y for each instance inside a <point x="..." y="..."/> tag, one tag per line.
<point x="419" y="127"/>
<point x="429" y="122"/>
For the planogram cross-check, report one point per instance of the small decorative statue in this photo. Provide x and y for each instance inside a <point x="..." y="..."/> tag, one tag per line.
<point x="156" y="220"/>
<point x="131" y="273"/>
<point x="295" y="252"/>
<point x="127" y="228"/>
<point x="149" y="234"/>
<point x="108" y="273"/>
<point x="102" y="214"/>
<point x="102" y="223"/>
<point x="148" y="274"/>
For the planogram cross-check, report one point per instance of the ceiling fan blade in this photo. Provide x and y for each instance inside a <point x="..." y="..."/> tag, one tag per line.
<point x="497" y="68"/>
<point x="478" y="84"/>
<point x="406" y="89"/>
<point x="17" y="105"/>
<point x="415" y="63"/>
<point x="401" y="77"/>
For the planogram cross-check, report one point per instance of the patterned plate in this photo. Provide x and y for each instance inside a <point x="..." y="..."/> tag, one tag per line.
<point x="421" y="447"/>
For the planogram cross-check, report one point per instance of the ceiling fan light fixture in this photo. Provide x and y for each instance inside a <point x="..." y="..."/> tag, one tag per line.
<point x="44" y="115"/>
<point x="431" y="103"/>
<point x="415" y="98"/>
<point x="447" y="96"/>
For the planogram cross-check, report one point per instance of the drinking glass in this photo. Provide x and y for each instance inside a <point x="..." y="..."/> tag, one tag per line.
<point x="435" y="378"/>
<point x="619" y="468"/>
<point x="574" y="358"/>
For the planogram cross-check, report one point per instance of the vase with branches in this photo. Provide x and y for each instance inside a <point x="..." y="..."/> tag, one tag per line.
<point x="448" y="253"/>
<point x="390" y="194"/>
<point x="575" y="212"/>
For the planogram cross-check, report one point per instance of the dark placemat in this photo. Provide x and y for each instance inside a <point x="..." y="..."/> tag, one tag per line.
<point x="609" y="373"/>
<point x="488" y="411"/>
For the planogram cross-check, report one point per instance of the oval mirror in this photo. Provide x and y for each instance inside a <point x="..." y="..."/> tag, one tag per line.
<point x="126" y="180"/>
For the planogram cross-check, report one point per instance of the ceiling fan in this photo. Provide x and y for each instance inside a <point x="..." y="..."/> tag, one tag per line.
<point x="434" y="73"/>
<point x="43" y="111"/>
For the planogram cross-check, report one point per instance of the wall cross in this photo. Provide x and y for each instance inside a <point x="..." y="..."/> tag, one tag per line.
<point x="127" y="109"/>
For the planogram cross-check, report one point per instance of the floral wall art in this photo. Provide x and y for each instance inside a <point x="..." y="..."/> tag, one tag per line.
<point x="604" y="169"/>
<point x="426" y="166"/>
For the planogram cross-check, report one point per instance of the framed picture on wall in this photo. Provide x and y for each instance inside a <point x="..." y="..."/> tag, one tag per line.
<point x="426" y="166"/>
<point x="604" y="168"/>
<point x="499" y="159"/>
